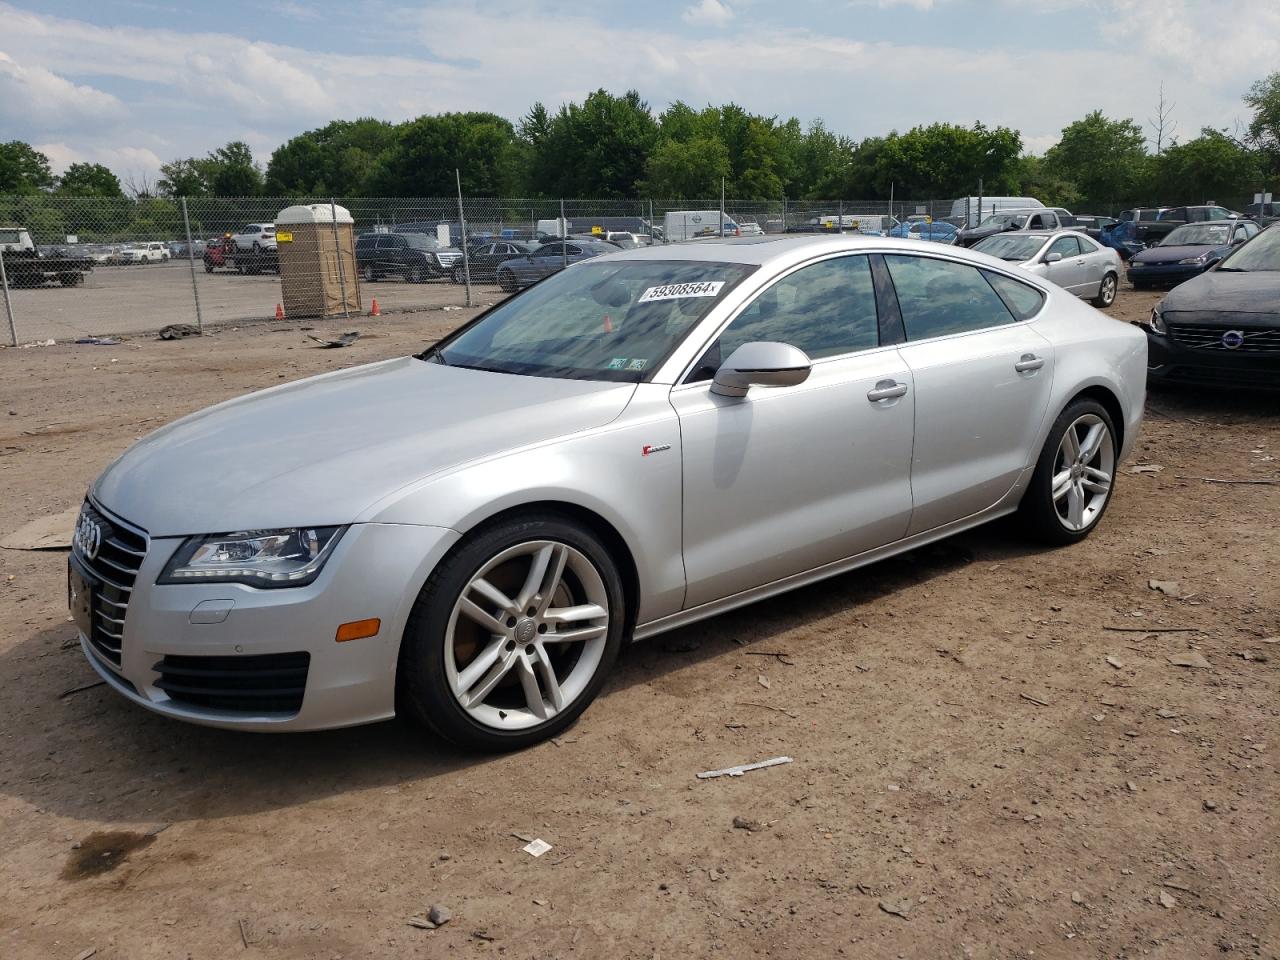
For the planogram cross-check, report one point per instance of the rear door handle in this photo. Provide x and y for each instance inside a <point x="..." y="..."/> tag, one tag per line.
<point x="1028" y="363"/>
<point x="887" y="390"/>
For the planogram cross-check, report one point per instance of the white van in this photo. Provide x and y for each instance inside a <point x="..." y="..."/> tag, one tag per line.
<point x="989" y="205"/>
<point x="694" y="224"/>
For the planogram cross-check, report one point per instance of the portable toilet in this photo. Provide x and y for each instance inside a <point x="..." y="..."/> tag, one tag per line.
<point x="316" y="245"/>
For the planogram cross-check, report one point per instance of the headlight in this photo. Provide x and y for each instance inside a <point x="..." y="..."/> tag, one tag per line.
<point x="1157" y="321"/>
<point x="259" y="558"/>
<point x="1197" y="260"/>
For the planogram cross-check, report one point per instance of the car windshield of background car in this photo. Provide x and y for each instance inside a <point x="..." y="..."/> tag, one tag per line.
<point x="1260" y="253"/>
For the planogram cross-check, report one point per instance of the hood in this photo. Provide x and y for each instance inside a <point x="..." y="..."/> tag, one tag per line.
<point x="1167" y="254"/>
<point x="322" y="450"/>
<point x="1225" y="292"/>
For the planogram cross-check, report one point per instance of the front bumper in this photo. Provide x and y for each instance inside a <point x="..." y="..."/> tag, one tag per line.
<point x="377" y="570"/>
<point x="1169" y="361"/>
<point x="1164" y="273"/>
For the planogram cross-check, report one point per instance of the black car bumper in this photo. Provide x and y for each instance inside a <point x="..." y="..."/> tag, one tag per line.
<point x="1202" y="355"/>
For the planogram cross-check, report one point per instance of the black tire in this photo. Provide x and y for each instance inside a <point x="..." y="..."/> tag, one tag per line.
<point x="1140" y="284"/>
<point x="71" y="279"/>
<point x="416" y="274"/>
<point x="208" y="267"/>
<point x="1038" y="511"/>
<point x="1107" y="291"/>
<point x="507" y="281"/>
<point x="257" y="249"/>
<point x="423" y="693"/>
<point x="367" y="273"/>
<point x="459" y="276"/>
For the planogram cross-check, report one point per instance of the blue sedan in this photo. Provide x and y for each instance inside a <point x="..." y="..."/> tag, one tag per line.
<point x="936" y="230"/>
<point x="547" y="259"/>
<point x="1188" y="251"/>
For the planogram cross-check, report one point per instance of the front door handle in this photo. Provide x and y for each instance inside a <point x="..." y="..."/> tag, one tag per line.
<point x="1028" y="363"/>
<point x="887" y="390"/>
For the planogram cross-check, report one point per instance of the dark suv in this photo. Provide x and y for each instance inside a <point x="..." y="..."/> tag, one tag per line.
<point x="416" y="257"/>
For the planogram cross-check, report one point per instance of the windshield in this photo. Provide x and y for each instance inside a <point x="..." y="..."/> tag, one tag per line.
<point x="1194" y="234"/>
<point x="420" y="241"/>
<point x="611" y="320"/>
<point x="1008" y="247"/>
<point x="1260" y="253"/>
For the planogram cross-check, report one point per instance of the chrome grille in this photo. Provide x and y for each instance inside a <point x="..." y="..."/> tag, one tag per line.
<point x="1206" y="337"/>
<point x="115" y="568"/>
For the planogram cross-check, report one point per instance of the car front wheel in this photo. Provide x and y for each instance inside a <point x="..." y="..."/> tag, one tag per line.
<point x="513" y="634"/>
<point x="507" y="281"/>
<point x="1107" y="291"/>
<point x="1074" y="477"/>
<point x="368" y="274"/>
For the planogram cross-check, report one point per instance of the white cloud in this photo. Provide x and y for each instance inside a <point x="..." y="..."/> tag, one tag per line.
<point x="121" y="160"/>
<point x="47" y="101"/>
<point x="710" y="12"/>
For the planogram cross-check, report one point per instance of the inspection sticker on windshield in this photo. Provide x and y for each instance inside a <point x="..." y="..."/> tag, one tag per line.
<point x="617" y="363"/>
<point x="677" y="291"/>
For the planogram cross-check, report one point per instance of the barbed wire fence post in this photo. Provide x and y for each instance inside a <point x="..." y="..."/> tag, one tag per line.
<point x="462" y="226"/>
<point x="191" y="259"/>
<point x="337" y="249"/>
<point x="8" y="304"/>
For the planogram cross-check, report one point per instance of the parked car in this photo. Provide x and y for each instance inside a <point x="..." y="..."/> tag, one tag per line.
<point x="1032" y="218"/>
<point x="1222" y="328"/>
<point x="938" y="231"/>
<point x="750" y="228"/>
<point x="1129" y="234"/>
<point x="416" y="257"/>
<point x="642" y="441"/>
<point x="1092" y="224"/>
<point x="255" y="236"/>
<point x="1264" y="214"/>
<point x="547" y="259"/>
<point x="485" y="258"/>
<point x="137" y="253"/>
<point x="1069" y="258"/>
<point x="1189" y="250"/>
<point x="971" y="211"/>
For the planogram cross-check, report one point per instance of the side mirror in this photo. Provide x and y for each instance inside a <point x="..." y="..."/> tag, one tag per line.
<point x="761" y="364"/>
<point x="1052" y="257"/>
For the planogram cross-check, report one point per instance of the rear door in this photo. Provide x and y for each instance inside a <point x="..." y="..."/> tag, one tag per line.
<point x="982" y="378"/>
<point x="787" y="479"/>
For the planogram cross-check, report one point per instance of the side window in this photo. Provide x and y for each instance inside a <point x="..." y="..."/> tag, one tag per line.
<point x="825" y="309"/>
<point x="940" y="297"/>
<point x="1037" y="222"/>
<point x="1023" y="300"/>
<point x="574" y="251"/>
<point x="1086" y="245"/>
<point x="1067" y="246"/>
<point x="1240" y="235"/>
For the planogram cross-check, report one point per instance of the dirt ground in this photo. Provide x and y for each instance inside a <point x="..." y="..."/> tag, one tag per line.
<point x="973" y="747"/>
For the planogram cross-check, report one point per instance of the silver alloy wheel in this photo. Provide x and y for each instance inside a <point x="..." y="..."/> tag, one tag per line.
<point x="526" y="635"/>
<point x="1083" y="472"/>
<point x="1107" y="293"/>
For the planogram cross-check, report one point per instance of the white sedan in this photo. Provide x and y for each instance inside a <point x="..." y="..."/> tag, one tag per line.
<point x="1069" y="258"/>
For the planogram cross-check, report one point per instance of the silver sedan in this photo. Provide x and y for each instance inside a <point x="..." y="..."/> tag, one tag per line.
<point x="641" y="441"/>
<point x="1070" y="258"/>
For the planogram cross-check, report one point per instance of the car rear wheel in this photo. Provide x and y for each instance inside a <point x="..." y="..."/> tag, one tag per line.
<point x="1074" y="477"/>
<point x="507" y="281"/>
<point x="1107" y="291"/>
<point x="513" y="634"/>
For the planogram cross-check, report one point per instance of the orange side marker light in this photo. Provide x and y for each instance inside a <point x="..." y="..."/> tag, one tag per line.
<point x="358" y="630"/>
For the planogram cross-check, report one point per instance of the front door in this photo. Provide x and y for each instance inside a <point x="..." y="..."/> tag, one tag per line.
<point x="787" y="479"/>
<point x="982" y="378"/>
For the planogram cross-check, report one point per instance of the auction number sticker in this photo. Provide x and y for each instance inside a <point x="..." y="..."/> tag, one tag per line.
<point x="677" y="291"/>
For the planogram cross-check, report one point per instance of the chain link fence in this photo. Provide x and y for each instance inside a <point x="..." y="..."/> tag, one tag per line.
<point x="75" y="268"/>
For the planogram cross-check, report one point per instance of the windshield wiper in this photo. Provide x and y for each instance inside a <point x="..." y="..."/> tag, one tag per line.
<point x="432" y="354"/>
<point x="1231" y="270"/>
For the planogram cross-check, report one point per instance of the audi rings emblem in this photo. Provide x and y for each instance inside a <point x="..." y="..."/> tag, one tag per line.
<point x="88" y="537"/>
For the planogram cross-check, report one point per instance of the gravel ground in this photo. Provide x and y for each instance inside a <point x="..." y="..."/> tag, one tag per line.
<point x="982" y="768"/>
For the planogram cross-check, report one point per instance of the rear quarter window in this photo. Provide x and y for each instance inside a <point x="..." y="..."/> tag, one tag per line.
<point x="1023" y="300"/>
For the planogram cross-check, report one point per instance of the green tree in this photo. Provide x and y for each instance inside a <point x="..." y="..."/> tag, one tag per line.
<point x="23" y="169"/>
<point x="232" y="172"/>
<point x="185" y="178"/>
<point x="424" y="153"/>
<point x="89" y="180"/>
<point x="1211" y="167"/>
<point x="945" y="160"/>
<point x="1264" y="128"/>
<point x="336" y="158"/>
<point x="687" y="169"/>
<point x="598" y="148"/>
<point x="1104" y="158"/>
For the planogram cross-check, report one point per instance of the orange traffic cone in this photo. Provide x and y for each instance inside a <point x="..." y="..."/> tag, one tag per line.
<point x="373" y="310"/>
<point x="279" y="312"/>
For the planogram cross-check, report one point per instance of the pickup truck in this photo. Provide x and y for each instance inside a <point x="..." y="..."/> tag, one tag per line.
<point x="1142" y="227"/>
<point x="26" y="266"/>
<point x="1029" y="218"/>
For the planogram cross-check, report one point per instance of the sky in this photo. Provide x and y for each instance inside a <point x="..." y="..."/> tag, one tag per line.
<point x="135" y="83"/>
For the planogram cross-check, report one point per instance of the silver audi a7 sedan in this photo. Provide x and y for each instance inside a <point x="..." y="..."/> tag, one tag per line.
<point x="647" y="438"/>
